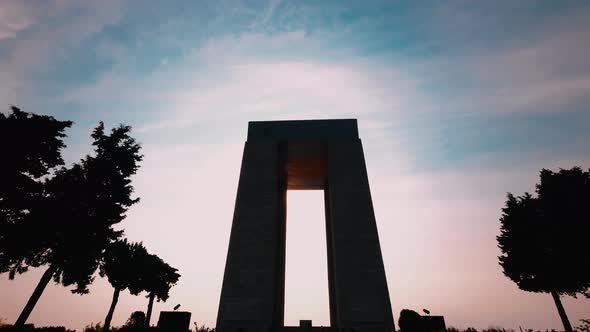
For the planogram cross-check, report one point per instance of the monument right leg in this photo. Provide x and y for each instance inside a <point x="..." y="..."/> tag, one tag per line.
<point x="252" y="295"/>
<point x="359" y="297"/>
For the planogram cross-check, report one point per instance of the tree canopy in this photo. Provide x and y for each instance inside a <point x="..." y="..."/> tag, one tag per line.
<point x="543" y="238"/>
<point x="159" y="277"/>
<point x="31" y="148"/>
<point x="121" y="266"/>
<point x="85" y="202"/>
<point x="62" y="217"/>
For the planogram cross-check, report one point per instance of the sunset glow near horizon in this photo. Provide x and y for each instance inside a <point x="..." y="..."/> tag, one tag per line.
<point x="306" y="259"/>
<point x="457" y="103"/>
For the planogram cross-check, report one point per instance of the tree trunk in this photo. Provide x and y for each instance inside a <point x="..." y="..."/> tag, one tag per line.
<point x="148" y="314"/>
<point x="566" y="323"/>
<point x="109" y="318"/>
<point x="24" y="315"/>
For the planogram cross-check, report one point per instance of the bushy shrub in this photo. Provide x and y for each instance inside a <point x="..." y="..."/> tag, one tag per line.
<point x="93" y="328"/>
<point x="203" y="328"/>
<point x="497" y="329"/>
<point x="408" y="320"/>
<point x="137" y="319"/>
<point x="585" y="326"/>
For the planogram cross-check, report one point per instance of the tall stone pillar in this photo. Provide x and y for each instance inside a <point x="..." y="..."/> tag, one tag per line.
<point x="252" y="297"/>
<point x="359" y="294"/>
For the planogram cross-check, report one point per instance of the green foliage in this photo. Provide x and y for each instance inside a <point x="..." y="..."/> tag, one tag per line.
<point x="543" y="238"/>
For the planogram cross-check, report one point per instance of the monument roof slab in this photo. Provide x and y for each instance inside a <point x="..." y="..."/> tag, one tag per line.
<point x="303" y="130"/>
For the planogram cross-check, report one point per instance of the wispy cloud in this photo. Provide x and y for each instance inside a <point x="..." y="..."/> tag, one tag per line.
<point x="54" y="31"/>
<point x="14" y="17"/>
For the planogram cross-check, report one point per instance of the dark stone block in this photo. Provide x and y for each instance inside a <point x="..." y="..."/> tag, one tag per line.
<point x="305" y="325"/>
<point x="174" y="321"/>
<point x="303" y="130"/>
<point x="423" y="324"/>
<point x="433" y="323"/>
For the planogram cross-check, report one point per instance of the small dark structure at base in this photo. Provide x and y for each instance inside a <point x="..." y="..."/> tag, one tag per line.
<point x="306" y="326"/>
<point x="411" y="321"/>
<point x="173" y="321"/>
<point x="432" y="323"/>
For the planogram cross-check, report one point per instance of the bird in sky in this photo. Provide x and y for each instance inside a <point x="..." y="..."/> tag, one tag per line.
<point x="176" y="307"/>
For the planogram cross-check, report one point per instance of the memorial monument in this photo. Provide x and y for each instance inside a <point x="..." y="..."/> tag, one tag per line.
<point x="298" y="155"/>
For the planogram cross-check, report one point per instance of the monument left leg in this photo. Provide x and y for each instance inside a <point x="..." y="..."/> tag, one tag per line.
<point x="252" y="296"/>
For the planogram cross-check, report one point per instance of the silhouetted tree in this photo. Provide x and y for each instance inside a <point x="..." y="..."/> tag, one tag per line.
<point x="137" y="319"/>
<point x="80" y="207"/>
<point x="158" y="278"/>
<point x="542" y="238"/>
<point x="30" y="150"/>
<point x="408" y="320"/>
<point x="120" y="266"/>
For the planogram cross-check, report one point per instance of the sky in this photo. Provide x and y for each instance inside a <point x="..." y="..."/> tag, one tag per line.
<point x="458" y="103"/>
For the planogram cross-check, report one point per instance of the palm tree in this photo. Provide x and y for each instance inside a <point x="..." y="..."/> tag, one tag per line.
<point x="120" y="266"/>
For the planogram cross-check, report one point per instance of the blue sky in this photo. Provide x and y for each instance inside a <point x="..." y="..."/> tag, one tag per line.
<point x="458" y="103"/>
